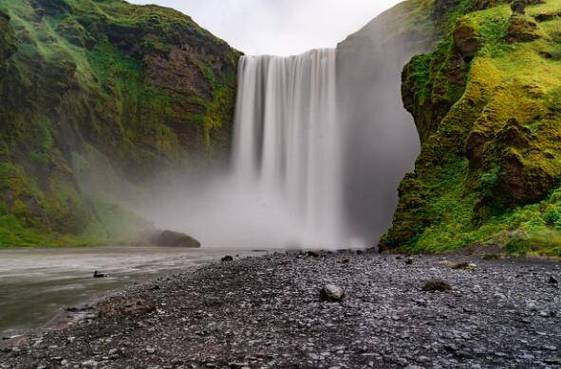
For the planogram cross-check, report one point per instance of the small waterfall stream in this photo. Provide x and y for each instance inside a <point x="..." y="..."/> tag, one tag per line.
<point x="288" y="142"/>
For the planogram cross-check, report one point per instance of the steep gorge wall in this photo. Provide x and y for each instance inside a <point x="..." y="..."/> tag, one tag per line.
<point x="486" y="105"/>
<point x="98" y="91"/>
<point x="381" y="142"/>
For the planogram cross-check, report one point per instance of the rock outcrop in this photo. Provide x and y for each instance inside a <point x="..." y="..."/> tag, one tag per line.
<point x="486" y="105"/>
<point x="175" y="239"/>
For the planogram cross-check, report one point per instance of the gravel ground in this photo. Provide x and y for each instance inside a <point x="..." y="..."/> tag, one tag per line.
<point x="266" y="313"/>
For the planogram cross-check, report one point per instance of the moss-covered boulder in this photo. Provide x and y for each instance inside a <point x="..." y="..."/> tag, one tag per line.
<point x="97" y="92"/>
<point x="523" y="28"/>
<point x="486" y="104"/>
<point x="466" y="40"/>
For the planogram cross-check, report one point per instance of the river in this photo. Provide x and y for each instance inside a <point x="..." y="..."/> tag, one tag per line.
<point x="38" y="284"/>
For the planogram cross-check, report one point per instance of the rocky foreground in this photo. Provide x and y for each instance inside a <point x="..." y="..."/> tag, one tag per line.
<point x="269" y="312"/>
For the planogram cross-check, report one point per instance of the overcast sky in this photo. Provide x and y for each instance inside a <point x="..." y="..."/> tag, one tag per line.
<point x="280" y="27"/>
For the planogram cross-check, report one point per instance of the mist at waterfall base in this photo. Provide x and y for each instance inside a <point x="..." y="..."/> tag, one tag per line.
<point x="317" y="157"/>
<point x="283" y="187"/>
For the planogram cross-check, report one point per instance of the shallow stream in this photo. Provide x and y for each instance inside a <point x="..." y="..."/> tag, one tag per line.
<point x="37" y="284"/>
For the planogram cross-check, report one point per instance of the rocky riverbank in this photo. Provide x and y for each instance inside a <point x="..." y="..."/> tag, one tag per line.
<point x="267" y="312"/>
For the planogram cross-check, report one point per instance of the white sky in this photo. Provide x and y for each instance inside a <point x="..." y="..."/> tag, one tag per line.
<point x="280" y="27"/>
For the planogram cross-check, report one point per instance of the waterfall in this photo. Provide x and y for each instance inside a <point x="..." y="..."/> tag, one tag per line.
<point x="321" y="142"/>
<point x="287" y="145"/>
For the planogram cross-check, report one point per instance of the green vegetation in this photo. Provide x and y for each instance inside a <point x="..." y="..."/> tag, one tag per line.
<point x="138" y="89"/>
<point x="486" y="104"/>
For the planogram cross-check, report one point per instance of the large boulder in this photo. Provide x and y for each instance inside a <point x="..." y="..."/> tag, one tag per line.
<point x="175" y="239"/>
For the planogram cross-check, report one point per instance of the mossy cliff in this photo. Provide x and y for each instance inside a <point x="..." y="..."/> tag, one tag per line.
<point x="89" y="84"/>
<point x="486" y="103"/>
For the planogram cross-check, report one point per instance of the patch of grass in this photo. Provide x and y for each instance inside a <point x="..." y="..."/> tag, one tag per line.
<point x="112" y="225"/>
<point x="219" y="111"/>
<point x="552" y="217"/>
<point x="13" y="233"/>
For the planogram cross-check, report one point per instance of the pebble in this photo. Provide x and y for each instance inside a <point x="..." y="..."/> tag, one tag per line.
<point x="264" y="313"/>
<point x="90" y="364"/>
<point x="332" y="293"/>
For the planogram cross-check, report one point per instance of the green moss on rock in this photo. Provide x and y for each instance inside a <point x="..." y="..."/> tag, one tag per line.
<point x="129" y="83"/>
<point x="486" y="106"/>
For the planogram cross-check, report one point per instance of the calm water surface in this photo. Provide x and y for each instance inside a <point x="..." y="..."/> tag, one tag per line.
<point x="36" y="284"/>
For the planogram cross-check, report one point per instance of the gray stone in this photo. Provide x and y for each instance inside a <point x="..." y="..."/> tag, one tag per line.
<point x="90" y="364"/>
<point x="332" y="293"/>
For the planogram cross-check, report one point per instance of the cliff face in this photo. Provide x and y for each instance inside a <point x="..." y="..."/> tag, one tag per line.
<point x="94" y="90"/>
<point x="380" y="135"/>
<point x="486" y="105"/>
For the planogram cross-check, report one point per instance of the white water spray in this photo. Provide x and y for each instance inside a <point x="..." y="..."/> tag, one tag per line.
<point x="287" y="148"/>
